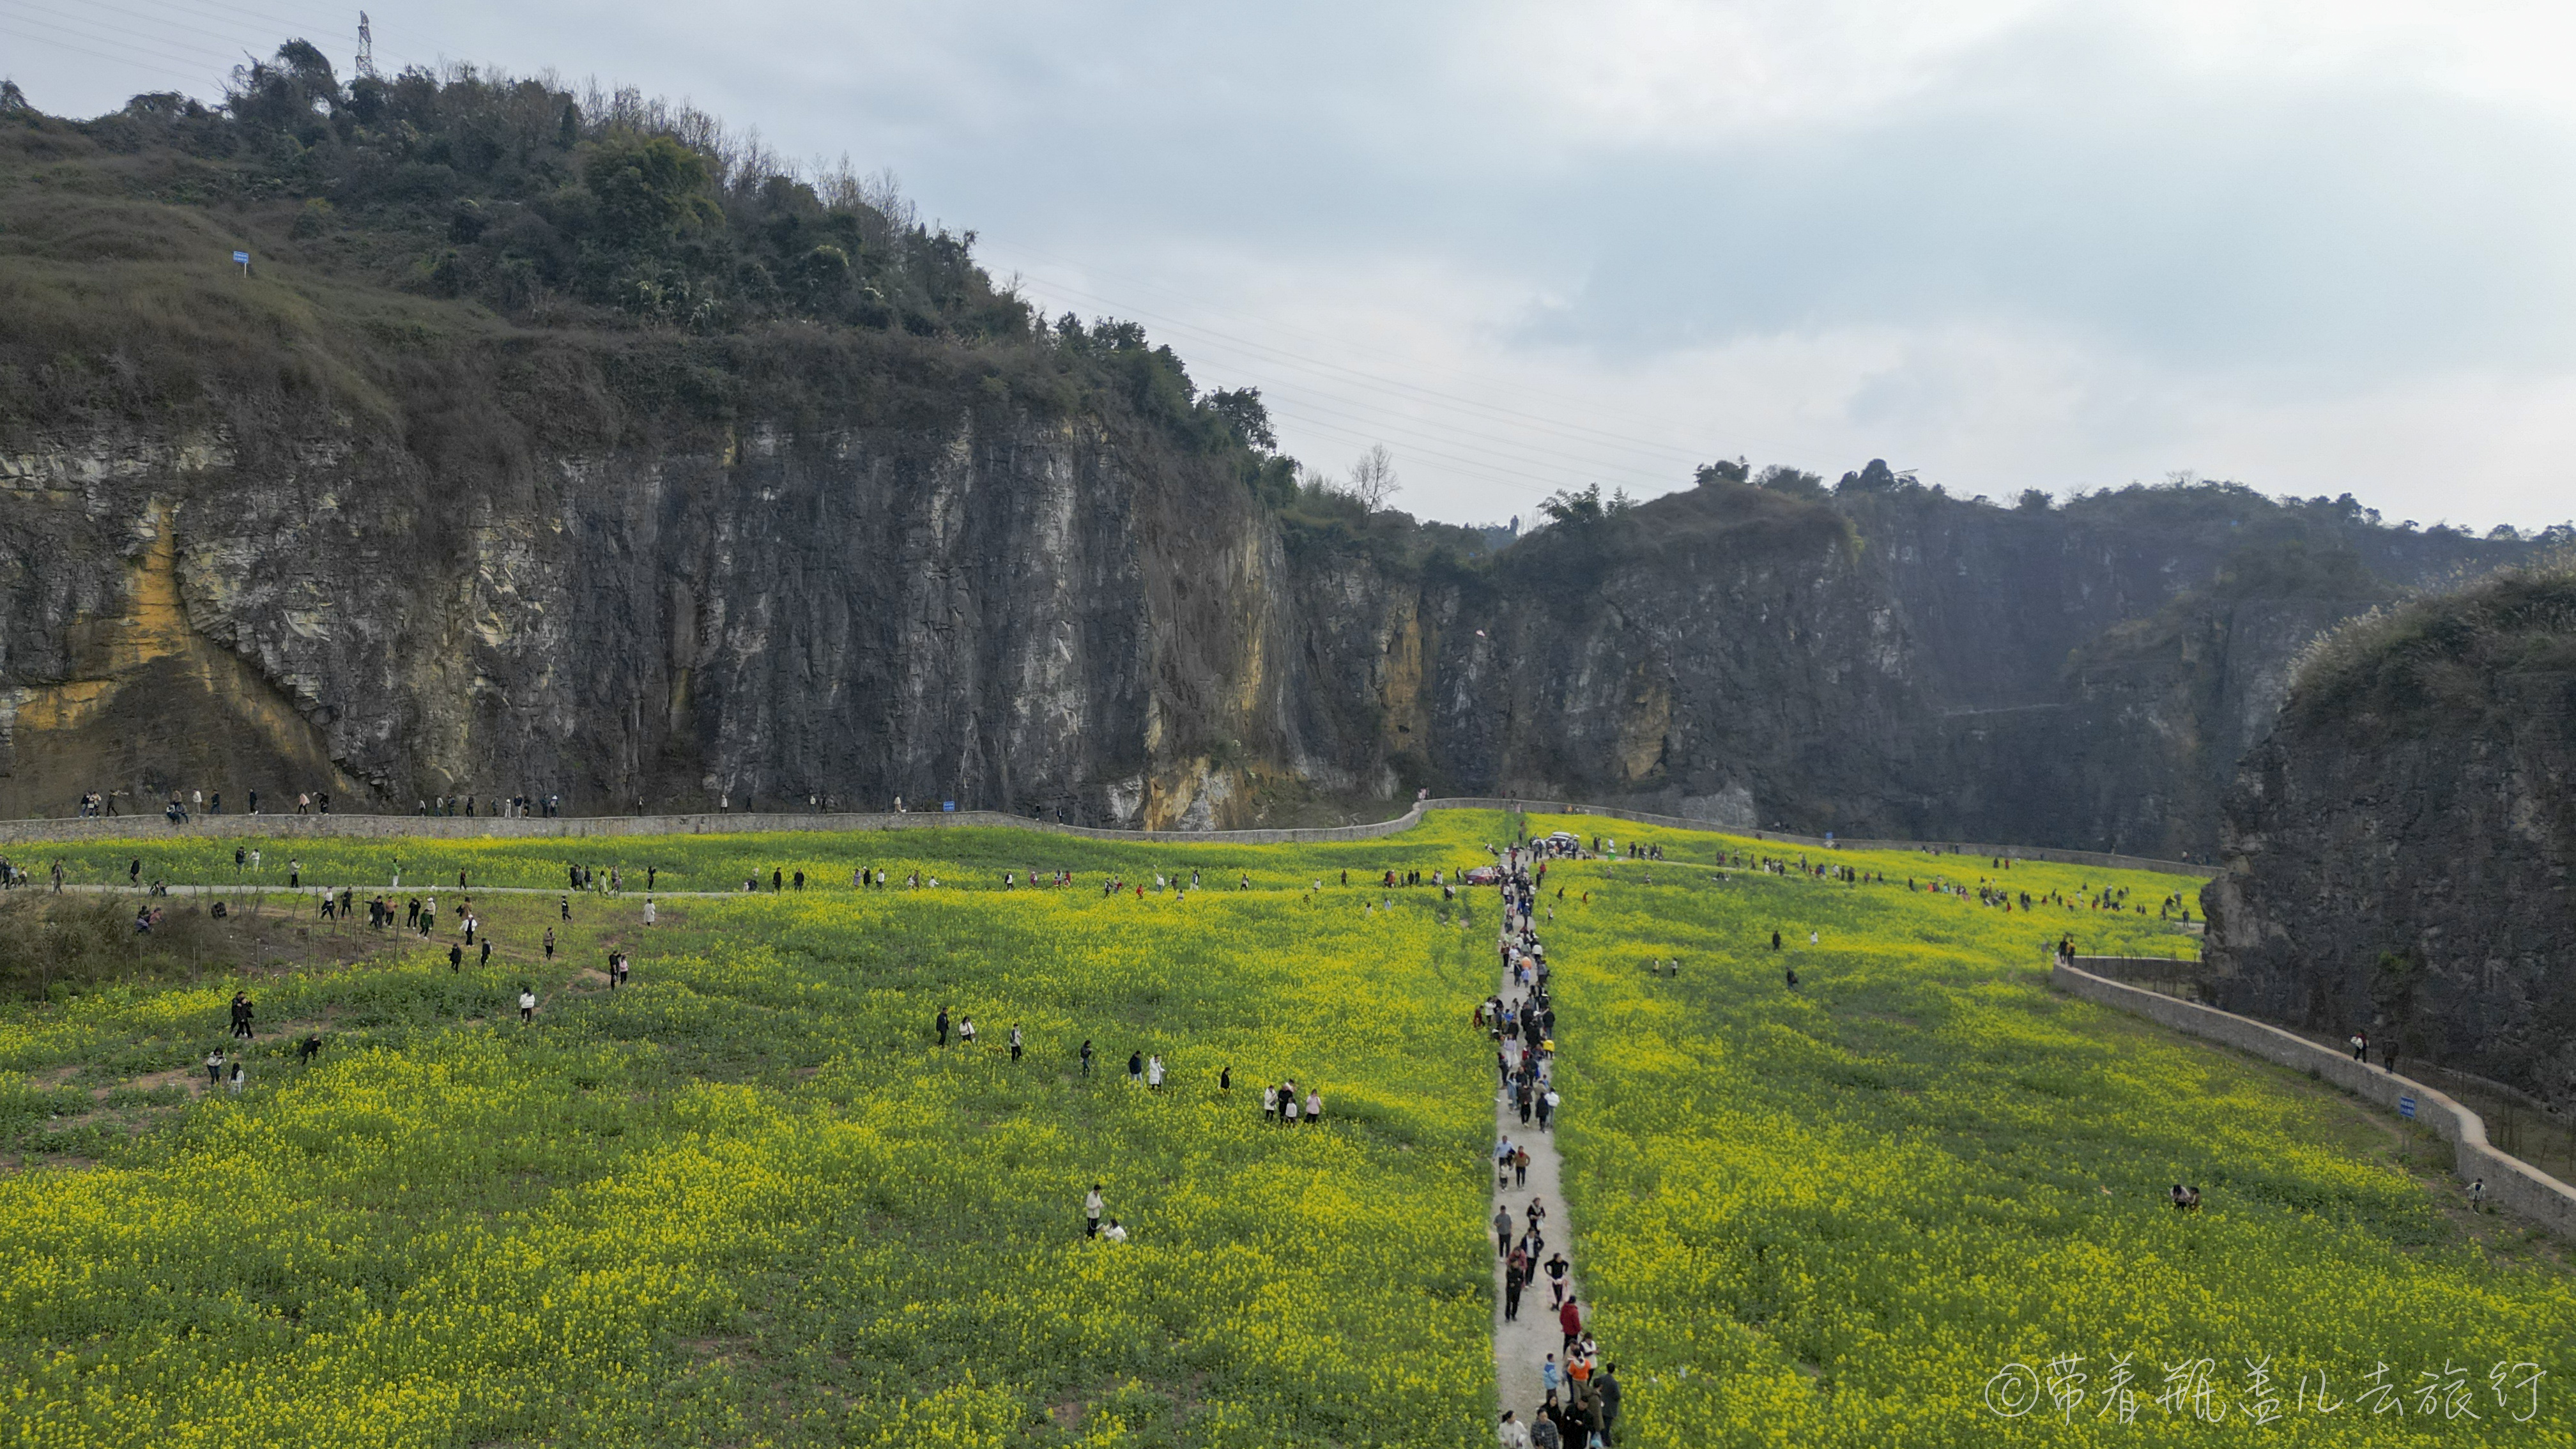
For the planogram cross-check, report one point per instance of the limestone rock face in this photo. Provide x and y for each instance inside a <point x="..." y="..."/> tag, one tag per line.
<point x="2399" y="846"/>
<point x="554" y="567"/>
<point x="946" y="614"/>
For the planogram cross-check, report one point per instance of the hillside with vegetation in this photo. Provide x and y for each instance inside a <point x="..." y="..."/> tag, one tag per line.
<point x="570" y="445"/>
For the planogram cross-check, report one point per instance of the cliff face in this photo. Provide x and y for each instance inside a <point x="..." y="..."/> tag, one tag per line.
<point x="901" y="590"/>
<point x="2399" y="847"/>
<point x="1015" y="612"/>
<point x="872" y="531"/>
<point x="1892" y="664"/>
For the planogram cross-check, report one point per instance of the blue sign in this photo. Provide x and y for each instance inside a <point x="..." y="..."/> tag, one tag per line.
<point x="241" y="259"/>
<point x="947" y="804"/>
<point x="2406" y="1105"/>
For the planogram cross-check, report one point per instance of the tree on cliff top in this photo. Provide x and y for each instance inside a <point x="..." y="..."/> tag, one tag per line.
<point x="1373" y="481"/>
<point x="650" y="188"/>
<point x="1581" y="510"/>
<point x="602" y="212"/>
<point x="547" y="205"/>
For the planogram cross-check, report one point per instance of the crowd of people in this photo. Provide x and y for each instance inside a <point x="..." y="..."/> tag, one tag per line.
<point x="1579" y="1404"/>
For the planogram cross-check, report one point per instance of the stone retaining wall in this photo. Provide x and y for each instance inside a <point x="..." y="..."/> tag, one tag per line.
<point x="2511" y="1182"/>
<point x="2158" y="973"/>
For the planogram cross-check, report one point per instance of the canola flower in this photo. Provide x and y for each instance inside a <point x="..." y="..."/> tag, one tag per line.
<point x="1835" y="1214"/>
<point x="744" y="1200"/>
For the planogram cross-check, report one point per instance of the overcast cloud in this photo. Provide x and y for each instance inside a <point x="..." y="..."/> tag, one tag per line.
<point x="2317" y="249"/>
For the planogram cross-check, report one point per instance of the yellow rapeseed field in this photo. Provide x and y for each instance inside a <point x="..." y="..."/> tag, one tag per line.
<point x="748" y="1199"/>
<point x="1920" y="1200"/>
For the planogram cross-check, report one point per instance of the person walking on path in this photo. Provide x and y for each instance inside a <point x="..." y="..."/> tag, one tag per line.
<point x="1569" y="1320"/>
<point x="1513" y="1434"/>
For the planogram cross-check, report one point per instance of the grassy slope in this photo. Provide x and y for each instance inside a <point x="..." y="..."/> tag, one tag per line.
<point x="746" y="1202"/>
<point x="1831" y="1216"/>
<point x="745" y="1199"/>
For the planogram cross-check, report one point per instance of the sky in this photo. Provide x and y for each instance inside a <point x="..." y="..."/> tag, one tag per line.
<point x="2008" y="244"/>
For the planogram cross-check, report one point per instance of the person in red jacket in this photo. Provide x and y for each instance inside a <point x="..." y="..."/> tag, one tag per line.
<point x="1570" y="1320"/>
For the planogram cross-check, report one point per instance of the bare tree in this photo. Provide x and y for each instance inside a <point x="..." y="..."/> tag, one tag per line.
<point x="1373" y="479"/>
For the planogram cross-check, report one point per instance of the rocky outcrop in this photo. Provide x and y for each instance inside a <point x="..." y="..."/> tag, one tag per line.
<point x="2399" y="847"/>
<point x="983" y="613"/>
<point x="903" y="583"/>
<point x="1893" y="663"/>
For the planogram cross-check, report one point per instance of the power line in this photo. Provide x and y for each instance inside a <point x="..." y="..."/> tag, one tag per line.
<point x="133" y="47"/>
<point x="1337" y="342"/>
<point x="1298" y="362"/>
<point x="126" y="60"/>
<point x="1519" y="417"/>
<point x="230" y="41"/>
<point x="1491" y="472"/>
<point x="1429" y="432"/>
<point x="1425" y="430"/>
<point x="1483" y="427"/>
<point x="305" y="27"/>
